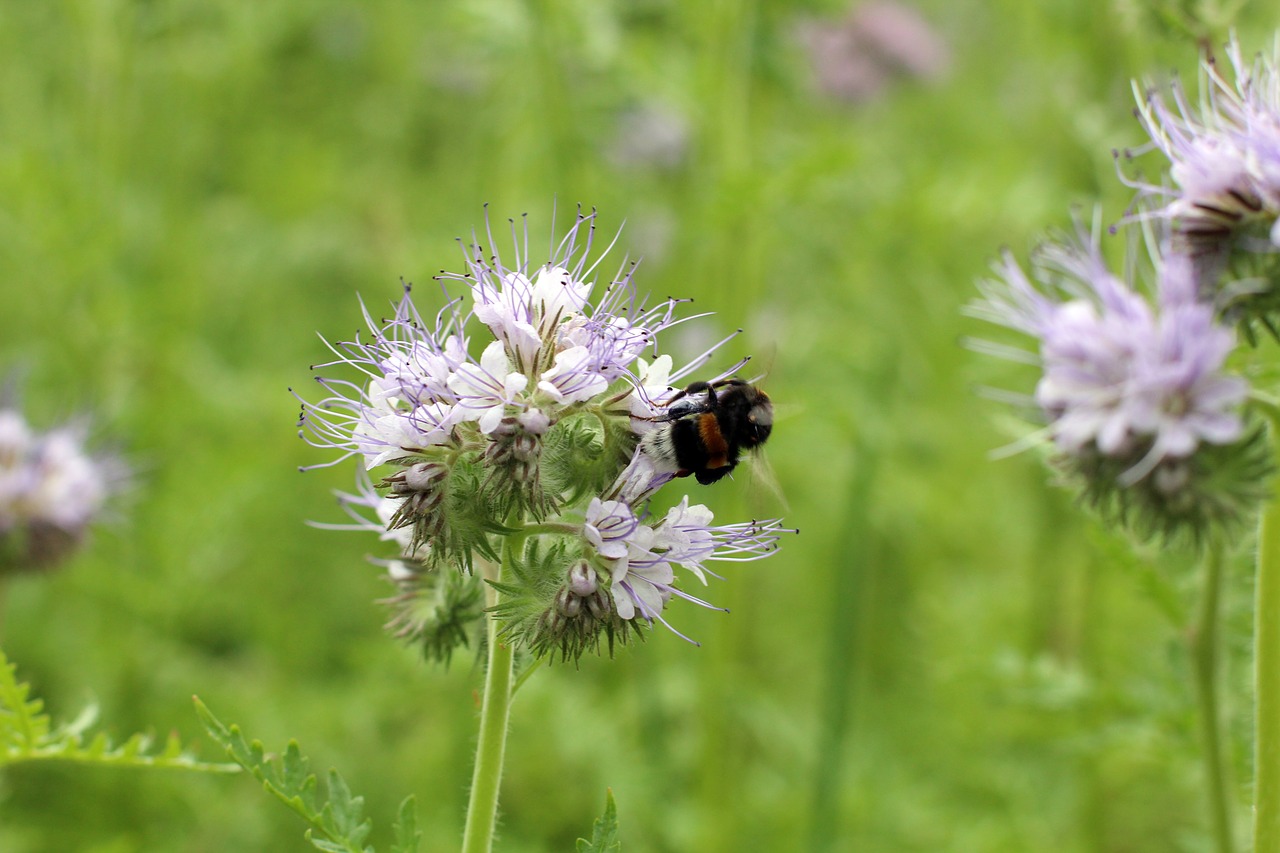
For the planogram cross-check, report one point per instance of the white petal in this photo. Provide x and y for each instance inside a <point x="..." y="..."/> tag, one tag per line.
<point x="494" y="360"/>
<point x="490" y="419"/>
<point x="623" y="604"/>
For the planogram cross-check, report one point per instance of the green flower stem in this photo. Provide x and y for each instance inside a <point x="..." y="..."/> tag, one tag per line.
<point x="1266" y="657"/>
<point x="1205" y="640"/>
<point x="495" y="709"/>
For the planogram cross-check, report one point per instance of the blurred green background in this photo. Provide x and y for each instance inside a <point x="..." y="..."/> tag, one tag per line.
<point x="950" y="657"/>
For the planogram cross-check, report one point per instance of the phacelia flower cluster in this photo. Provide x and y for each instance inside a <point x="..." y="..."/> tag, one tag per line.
<point x="51" y="489"/>
<point x="1222" y="197"/>
<point x="1135" y="393"/>
<point x="504" y="430"/>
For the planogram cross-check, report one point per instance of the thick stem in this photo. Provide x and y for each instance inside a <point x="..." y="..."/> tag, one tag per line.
<point x="482" y="810"/>
<point x="1205" y="641"/>
<point x="1266" y="658"/>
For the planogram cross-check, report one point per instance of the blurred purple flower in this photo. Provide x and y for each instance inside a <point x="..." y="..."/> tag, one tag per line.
<point x="856" y="58"/>
<point x="1224" y="158"/>
<point x="1121" y="376"/>
<point x="650" y="135"/>
<point x="51" y="489"/>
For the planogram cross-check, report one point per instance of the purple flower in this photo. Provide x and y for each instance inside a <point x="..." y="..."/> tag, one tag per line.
<point x="404" y="404"/>
<point x="1121" y="376"/>
<point x="608" y="527"/>
<point x="1224" y="163"/>
<point x="485" y="390"/>
<point x="51" y="489"/>
<point x="639" y="559"/>
<point x="538" y="313"/>
<point x="573" y="377"/>
<point x="856" y="58"/>
<point x="536" y="436"/>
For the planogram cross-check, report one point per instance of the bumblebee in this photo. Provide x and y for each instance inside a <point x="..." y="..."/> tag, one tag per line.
<point x="706" y="427"/>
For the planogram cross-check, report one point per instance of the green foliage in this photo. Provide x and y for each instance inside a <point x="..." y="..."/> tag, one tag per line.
<point x="533" y="612"/>
<point x="194" y="189"/>
<point x="1207" y="21"/>
<point x="462" y="524"/>
<point x="1217" y="490"/>
<point x="604" y="832"/>
<point x="1255" y="308"/>
<point x="338" y="816"/>
<point x="438" y="611"/>
<point x="27" y="735"/>
<point x="584" y="453"/>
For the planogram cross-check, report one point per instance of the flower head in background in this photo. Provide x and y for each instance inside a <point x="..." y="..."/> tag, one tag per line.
<point x="856" y="58"/>
<point x="51" y="489"/>
<point x="1134" y="391"/>
<point x="1222" y="199"/>
<point x="505" y="429"/>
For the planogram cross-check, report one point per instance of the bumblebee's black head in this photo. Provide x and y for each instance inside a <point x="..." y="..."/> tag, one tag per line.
<point x="745" y="412"/>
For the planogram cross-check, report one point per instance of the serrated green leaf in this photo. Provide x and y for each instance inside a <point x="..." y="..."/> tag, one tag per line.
<point x="26" y="734"/>
<point x="336" y="815"/>
<point x="604" y="833"/>
<point x="327" y="846"/>
<point x="297" y="779"/>
<point x="346" y="811"/>
<point x="406" y="827"/>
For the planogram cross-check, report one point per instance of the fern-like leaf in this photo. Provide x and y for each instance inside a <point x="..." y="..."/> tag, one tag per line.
<point x="604" y="832"/>
<point x="337" y="819"/>
<point x="406" y="827"/>
<point x="27" y="734"/>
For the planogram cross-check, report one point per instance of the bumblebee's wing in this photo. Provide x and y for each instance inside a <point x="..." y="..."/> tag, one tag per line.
<point x="764" y="493"/>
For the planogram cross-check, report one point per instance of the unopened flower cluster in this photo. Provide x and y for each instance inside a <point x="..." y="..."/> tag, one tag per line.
<point x="1138" y="395"/>
<point x="51" y="488"/>
<point x="505" y="429"/>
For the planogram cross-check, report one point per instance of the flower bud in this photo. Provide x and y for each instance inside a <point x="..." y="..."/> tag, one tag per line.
<point x="525" y="447"/>
<point x="599" y="605"/>
<point x="568" y="603"/>
<point x="1172" y="477"/>
<point x="582" y="579"/>
<point x="420" y="477"/>
<point x="534" y="421"/>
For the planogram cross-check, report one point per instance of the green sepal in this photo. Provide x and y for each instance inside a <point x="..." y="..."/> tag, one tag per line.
<point x="462" y="524"/>
<point x="1224" y="485"/>
<point x="27" y="734"/>
<point x="1255" y="308"/>
<point x="339" y="817"/>
<point x="604" y="832"/>
<point x="528" y="615"/>
<point x="584" y="453"/>
<point x="438" y="610"/>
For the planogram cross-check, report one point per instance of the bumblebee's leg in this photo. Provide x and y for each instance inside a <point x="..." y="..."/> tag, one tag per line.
<point x="677" y="409"/>
<point x="691" y="389"/>
<point x="707" y="476"/>
<point x="698" y="387"/>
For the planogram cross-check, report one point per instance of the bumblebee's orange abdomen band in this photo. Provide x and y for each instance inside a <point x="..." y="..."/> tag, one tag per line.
<point x="713" y="440"/>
